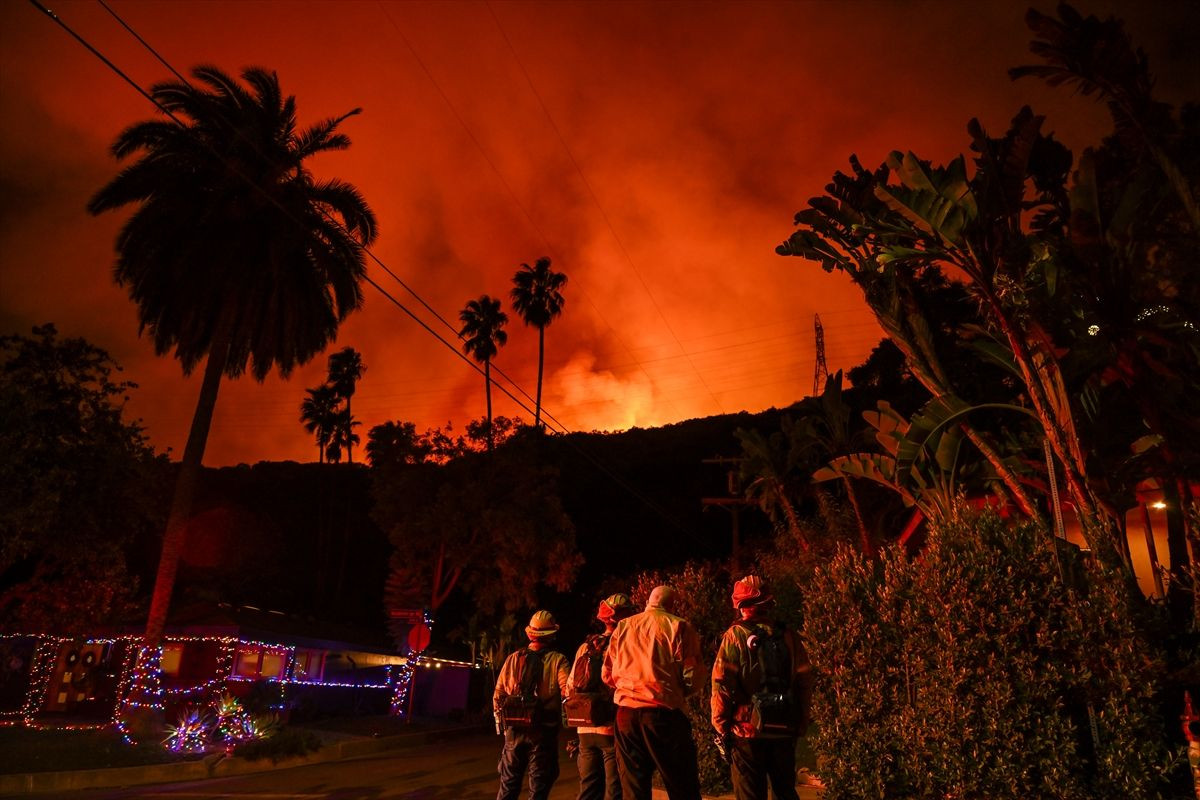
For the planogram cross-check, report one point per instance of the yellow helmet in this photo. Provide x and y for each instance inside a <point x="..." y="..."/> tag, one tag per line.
<point x="541" y="625"/>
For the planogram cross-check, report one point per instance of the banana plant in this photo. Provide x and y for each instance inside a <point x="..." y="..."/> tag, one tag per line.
<point x="923" y="455"/>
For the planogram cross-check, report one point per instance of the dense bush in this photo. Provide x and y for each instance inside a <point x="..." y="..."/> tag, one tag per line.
<point x="973" y="670"/>
<point x="286" y="743"/>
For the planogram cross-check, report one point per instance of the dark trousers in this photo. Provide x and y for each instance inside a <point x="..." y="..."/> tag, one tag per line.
<point x="754" y="761"/>
<point x="532" y="749"/>
<point x="656" y="738"/>
<point x="598" y="775"/>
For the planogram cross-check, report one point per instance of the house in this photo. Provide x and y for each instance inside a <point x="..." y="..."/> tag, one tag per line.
<point x="297" y="667"/>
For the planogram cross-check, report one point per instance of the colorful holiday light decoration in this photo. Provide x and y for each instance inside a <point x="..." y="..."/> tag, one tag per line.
<point x="407" y="672"/>
<point x="141" y="681"/>
<point x="191" y="735"/>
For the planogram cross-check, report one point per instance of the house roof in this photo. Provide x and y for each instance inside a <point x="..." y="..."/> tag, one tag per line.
<point x="250" y="622"/>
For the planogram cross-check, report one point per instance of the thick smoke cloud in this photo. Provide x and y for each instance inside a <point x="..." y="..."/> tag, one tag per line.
<point x="655" y="151"/>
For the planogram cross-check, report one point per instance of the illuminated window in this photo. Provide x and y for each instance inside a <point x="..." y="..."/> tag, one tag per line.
<point x="274" y="662"/>
<point x="172" y="654"/>
<point x="245" y="665"/>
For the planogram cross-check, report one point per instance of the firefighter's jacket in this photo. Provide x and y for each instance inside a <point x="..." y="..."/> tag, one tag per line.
<point x="737" y="675"/>
<point x="551" y="689"/>
<point x="653" y="661"/>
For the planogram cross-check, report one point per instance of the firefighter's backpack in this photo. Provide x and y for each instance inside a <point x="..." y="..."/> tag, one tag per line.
<point x="524" y="709"/>
<point x="590" y="703"/>
<point x="772" y="707"/>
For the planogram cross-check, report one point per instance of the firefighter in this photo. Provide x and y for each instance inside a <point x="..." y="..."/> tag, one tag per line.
<point x="653" y="664"/>
<point x="595" y="749"/>
<point x="527" y="705"/>
<point x="760" y="696"/>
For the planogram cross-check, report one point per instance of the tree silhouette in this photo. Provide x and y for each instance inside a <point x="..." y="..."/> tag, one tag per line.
<point x="236" y="255"/>
<point x="484" y="335"/>
<point x="342" y="436"/>
<point x="317" y="412"/>
<point x="346" y="369"/>
<point x="396" y="443"/>
<point x="537" y="297"/>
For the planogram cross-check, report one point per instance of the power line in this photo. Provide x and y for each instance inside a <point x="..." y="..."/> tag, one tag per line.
<point x="599" y="465"/>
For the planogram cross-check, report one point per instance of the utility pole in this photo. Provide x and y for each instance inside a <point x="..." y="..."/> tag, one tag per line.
<point x="733" y="503"/>
<point x="821" y="369"/>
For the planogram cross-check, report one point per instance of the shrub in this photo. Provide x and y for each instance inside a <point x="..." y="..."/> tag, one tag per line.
<point x="287" y="742"/>
<point x="973" y="670"/>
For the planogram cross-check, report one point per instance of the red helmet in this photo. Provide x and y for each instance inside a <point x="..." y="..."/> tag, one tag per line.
<point x="750" y="591"/>
<point x="614" y="607"/>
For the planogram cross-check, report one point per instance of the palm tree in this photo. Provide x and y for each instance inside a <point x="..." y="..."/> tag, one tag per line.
<point x="341" y="435"/>
<point x="317" y="412"/>
<point x="483" y="333"/>
<point x="536" y="296"/>
<point x="346" y="369"/>
<point x="235" y="255"/>
<point x="828" y="427"/>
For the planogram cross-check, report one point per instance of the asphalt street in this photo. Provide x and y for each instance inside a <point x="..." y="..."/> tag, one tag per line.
<point x="460" y="769"/>
<point x="456" y="769"/>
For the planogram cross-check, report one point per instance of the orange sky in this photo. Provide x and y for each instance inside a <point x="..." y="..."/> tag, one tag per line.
<point x="655" y="151"/>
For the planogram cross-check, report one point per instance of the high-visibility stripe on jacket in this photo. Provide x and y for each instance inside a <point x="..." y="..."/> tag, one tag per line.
<point x="551" y="689"/>
<point x="737" y="675"/>
<point x="653" y="660"/>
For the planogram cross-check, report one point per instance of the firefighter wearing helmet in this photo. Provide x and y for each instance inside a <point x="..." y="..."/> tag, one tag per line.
<point x="527" y="705"/>
<point x="760" y="696"/>
<point x="653" y="664"/>
<point x="590" y="708"/>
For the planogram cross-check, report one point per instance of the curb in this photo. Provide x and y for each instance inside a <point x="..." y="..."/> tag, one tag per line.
<point x="805" y="791"/>
<point x="215" y="766"/>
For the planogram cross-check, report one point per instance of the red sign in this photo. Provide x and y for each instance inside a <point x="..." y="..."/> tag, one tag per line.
<point x="418" y="637"/>
<point x="410" y="615"/>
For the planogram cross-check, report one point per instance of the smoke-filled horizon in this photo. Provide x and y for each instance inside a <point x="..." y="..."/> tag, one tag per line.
<point x="656" y="152"/>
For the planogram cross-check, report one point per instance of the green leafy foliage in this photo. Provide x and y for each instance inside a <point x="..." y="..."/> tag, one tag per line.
<point x="78" y="485"/>
<point x="285" y="743"/>
<point x="974" y="671"/>
<point x="488" y="525"/>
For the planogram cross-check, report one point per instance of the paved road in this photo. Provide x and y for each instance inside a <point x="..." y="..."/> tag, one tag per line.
<point x="459" y="769"/>
<point x="462" y="769"/>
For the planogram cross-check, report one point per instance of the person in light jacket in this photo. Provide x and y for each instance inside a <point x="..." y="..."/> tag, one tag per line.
<point x="653" y="665"/>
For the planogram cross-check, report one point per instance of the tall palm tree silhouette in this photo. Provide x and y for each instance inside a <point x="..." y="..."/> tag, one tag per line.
<point x="341" y="435"/>
<point x="317" y="412"/>
<point x="484" y="335"/>
<point x="346" y="369"/>
<point x="235" y="255"/>
<point x="537" y="297"/>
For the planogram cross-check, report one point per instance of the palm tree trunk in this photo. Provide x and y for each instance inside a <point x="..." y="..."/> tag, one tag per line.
<point x="537" y="415"/>
<point x="864" y="538"/>
<point x="487" y="386"/>
<point x="185" y="492"/>
<point x="793" y="521"/>
<point x="349" y="432"/>
<point x="929" y="374"/>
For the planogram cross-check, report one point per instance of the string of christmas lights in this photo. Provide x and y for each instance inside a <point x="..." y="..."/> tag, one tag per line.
<point x="141" y="682"/>
<point x="408" y="671"/>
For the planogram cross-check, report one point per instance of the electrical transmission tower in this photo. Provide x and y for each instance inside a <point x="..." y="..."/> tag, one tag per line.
<point x="821" y="371"/>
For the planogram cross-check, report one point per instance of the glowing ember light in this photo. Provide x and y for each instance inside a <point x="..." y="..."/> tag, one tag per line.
<point x="1093" y="330"/>
<point x="1158" y="504"/>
